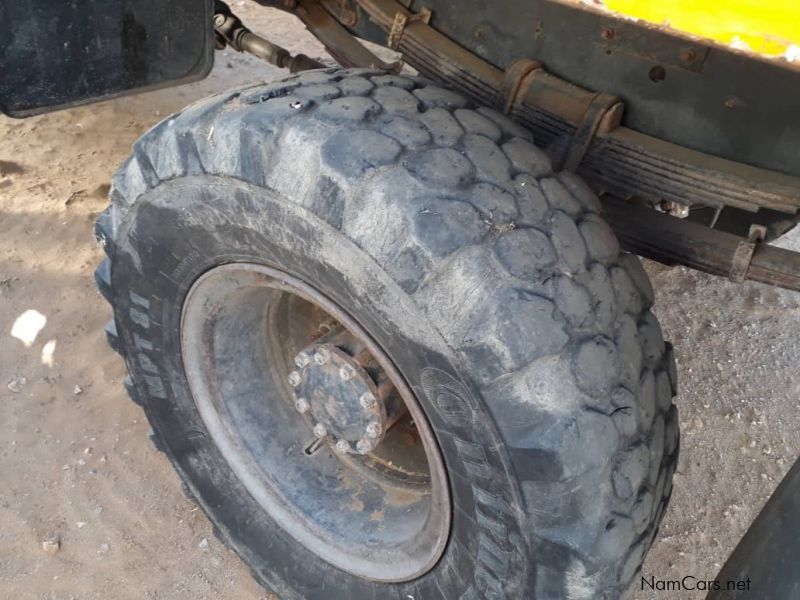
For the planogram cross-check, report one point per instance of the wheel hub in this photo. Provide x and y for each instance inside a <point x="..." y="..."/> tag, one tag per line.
<point x="346" y="398"/>
<point x="383" y="515"/>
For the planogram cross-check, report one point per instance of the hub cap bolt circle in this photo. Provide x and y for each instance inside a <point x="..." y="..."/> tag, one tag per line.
<point x="347" y="372"/>
<point x="367" y="400"/>
<point x="364" y="446"/>
<point x="302" y="359"/>
<point x="343" y="446"/>
<point x="321" y="356"/>
<point x="373" y="430"/>
<point x="320" y="431"/>
<point x="302" y="405"/>
<point x="294" y="378"/>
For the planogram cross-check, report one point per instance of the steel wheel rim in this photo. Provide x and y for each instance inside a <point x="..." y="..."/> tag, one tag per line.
<point x="334" y="504"/>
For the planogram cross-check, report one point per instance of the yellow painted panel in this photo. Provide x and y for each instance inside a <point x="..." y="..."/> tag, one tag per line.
<point x="767" y="27"/>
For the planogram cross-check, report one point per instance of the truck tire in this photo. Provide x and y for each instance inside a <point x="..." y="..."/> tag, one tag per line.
<point x="485" y="285"/>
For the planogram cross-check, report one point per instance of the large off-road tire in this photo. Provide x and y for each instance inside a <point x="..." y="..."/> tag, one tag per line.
<point x="499" y="295"/>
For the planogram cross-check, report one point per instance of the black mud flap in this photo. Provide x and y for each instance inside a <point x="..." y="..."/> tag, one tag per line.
<point x="764" y="564"/>
<point x="59" y="54"/>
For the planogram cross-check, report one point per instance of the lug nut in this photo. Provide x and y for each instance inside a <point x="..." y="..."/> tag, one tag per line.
<point x="294" y="378"/>
<point x="364" y="446"/>
<point x="373" y="429"/>
<point x="321" y="356"/>
<point x="347" y="372"/>
<point x="343" y="446"/>
<point x="320" y="431"/>
<point x="302" y="359"/>
<point x="367" y="400"/>
<point x="302" y="405"/>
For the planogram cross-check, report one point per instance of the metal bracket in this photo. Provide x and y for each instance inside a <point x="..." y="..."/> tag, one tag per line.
<point x="743" y="255"/>
<point x="596" y="113"/>
<point x="400" y="22"/>
<point x="603" y="112"/>
<point x="514" y="77"/>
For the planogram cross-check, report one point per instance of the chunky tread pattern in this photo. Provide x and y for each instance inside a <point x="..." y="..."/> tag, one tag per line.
<point x="468" y="217"/>
<point x="102" y="278"/>
<point x="112" y="336"/>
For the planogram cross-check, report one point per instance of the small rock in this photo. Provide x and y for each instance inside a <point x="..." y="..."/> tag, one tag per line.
<point x="51" y="545"/>
<point x="16" y="384"/>
<point x="203" y="545"/>
<point x="77" y="390"/>
<point x="102" y="549"/>
<point x="80" y="524"/>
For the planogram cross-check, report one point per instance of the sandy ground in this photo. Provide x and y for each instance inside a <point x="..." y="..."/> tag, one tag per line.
<point x="75" y="461"/>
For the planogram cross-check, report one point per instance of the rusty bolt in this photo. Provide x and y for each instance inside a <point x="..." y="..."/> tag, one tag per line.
<point x="364" y="446"/>
<point x="343" y="446"/>
<point x="302" y="359"/>
<point x="373" y="429"/>
<point x="688" y="54"/>
<point x="367" y="400"/>
<point x="302" y="406"/>
<point x="321" y="356"/>
<point x="607" y="33"/>
<point x="294" y="378"/>
<point x="320" y="431"/>
<point x="347" y="372"/>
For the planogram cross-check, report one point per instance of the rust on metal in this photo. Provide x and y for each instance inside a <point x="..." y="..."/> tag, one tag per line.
<point x="625" y="38"/>
<point x="618" y="160"/>
<point x="401" y="20"/>
<point x="743" y="255"/>
<point x="514" y="79"/>
<point x="670" y="240"/>
<point x="611" y="119"/>
<point x="599" y="106"/>
<point x="339" y="42"/>
<point x="342" y="391"/>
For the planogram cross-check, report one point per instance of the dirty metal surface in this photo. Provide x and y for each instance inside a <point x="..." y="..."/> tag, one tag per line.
<point x="671" y="240"/>
<point x="625" y="160"/>
<point x="711" y="99"/>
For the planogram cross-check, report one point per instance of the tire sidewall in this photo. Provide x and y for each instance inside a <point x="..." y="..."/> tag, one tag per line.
<point x="185" y="227"/>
